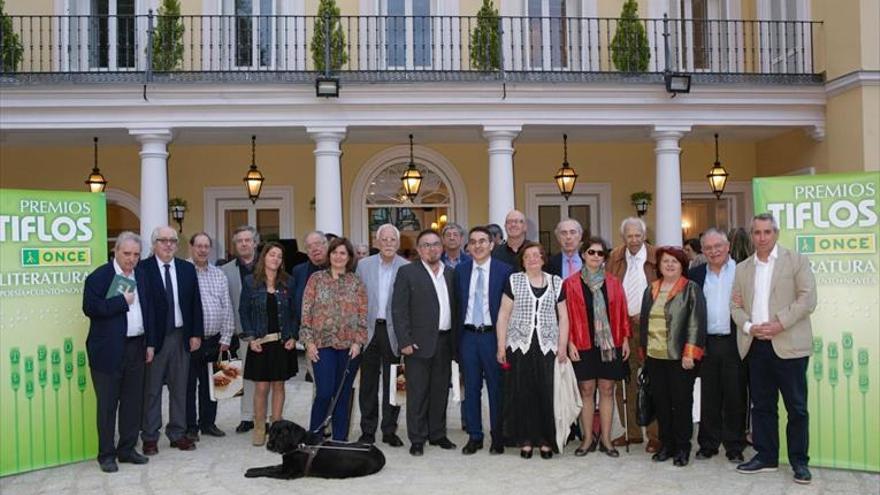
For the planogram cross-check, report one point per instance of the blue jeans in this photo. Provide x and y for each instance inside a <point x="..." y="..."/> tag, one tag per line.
<point x="329" y="372"/>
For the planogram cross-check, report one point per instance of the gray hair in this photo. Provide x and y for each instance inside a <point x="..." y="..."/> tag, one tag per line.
<point x="766" y="217"/>
<point x="126" y="236"/>
<point x="155" y="234"/>
<point x="633" y="221"/>
<point x="385" y="226"/>
<point x="714" y="231"/>
<point x="452" y="226"/>
<point x="247" y="228"/>
<point x="576" y="223"/>
<point x="317" y="233"/>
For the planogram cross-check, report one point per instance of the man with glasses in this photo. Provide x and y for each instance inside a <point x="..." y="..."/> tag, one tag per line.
<point x="377" y="272"/>
<point x="175" y="281"/>
<point x="567" y="261"/>
<point x="479" y="285"/>
<point x="722" y="374"/>
<point x="423" y="311"/>
<point x="453" y="254"/>
<point x="245" y="240"/>
<point x="515" y="225"/>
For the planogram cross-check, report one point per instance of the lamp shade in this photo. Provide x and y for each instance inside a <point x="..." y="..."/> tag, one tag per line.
<point x="717" y="176"/>
<point x="254" y="178"/>
<point x="565" y="177"/>
<point x="411" y="178"/>
<point x="96" y="182"/>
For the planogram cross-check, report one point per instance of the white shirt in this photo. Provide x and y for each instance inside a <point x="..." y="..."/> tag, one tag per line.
<point x="134" y="317"/>
<point x="178" y="314"/>
<point x="717" y="289"/>
<point x="386" y="270"/>
<point x="634" y="280"/>
<point x="487" y="318"/>
<point x="445" y="323"/>
<point x="761" y="299"/>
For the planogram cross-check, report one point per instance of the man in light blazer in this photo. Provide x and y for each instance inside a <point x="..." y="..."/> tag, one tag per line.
<point x="774" y="292"/>
<point x="423" y="308"/>
<point x="479" y="285"/>
<point x="377" y="272"/>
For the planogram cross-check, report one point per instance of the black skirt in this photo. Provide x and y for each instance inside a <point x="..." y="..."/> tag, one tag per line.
<point x="591" y="366"/>
<point x="528" y="398"/>
<point x="273" y="364"/>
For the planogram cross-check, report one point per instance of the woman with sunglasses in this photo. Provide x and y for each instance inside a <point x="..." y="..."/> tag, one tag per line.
<point x="598" y="345"/>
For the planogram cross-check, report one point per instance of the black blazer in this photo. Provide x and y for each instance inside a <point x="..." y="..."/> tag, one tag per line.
<point x="416" y="310"/>
<point x="698" y="275"/>
<point x="187" y="290"/>
<point x="554" y="265"/>
<point x="108" y="322"/>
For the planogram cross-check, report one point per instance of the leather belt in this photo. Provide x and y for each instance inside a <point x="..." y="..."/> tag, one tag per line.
<point x="272" y="337"/>
<point x="127" y="338"/>
<point x="480" y="329"/>
<point x="380" y="321"/>
<point x="717" y="336"/>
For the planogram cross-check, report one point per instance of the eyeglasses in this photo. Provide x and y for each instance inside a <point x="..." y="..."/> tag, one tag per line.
<point x="593" y="252"/>
<point x="429" y="245"/>
<point x="166" y="240"/>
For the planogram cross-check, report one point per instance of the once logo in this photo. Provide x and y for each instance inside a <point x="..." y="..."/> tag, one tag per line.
<point x="39" y="257"/>
<point x="837" y="244"/>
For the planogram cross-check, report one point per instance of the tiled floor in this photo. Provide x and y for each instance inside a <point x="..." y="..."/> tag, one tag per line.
<point x="218" y="465"/>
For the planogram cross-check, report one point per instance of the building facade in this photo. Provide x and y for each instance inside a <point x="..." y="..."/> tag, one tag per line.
<point x="789" y="86"/>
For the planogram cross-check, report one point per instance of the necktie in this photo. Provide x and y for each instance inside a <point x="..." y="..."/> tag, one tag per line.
<point x="169" y="298"/>
<point x="477" y="316"/>
<point x="571" y="267"/>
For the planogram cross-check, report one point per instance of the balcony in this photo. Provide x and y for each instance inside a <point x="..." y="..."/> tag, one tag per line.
<point x="143" y="49"/>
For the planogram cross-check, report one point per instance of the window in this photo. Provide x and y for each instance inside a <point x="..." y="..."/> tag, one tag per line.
<point x="253" y="34"/>
<point x="228" y="207"/>
<point x="548" y="34"/>
<point x="101" y="35"/>
<point x="590" y="204"/>
<point x="408" y="34"/>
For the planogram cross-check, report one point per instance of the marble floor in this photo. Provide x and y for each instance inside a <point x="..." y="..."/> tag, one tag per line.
<point x="218" y="465"/>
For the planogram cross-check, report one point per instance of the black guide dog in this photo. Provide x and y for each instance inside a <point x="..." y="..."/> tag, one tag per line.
<point x="307" y="454"/>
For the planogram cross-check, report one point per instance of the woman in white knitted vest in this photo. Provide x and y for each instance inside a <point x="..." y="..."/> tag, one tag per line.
<point x="532" y="331"/>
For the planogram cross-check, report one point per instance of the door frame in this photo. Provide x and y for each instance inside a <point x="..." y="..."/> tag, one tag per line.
<point x="596" y="193"/>
<point x="213" y="196"/>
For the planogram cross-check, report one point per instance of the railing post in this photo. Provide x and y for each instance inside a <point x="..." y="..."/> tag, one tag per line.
<point x="327" y="32"/>
<point x="666" y="42"/>
<point x="148" y="71"/>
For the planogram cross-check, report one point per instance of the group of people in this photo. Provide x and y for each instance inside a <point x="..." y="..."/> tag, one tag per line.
<point x="503" y="312"/>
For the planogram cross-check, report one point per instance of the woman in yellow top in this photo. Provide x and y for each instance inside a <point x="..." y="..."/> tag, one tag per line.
<point x="674" y="312"/>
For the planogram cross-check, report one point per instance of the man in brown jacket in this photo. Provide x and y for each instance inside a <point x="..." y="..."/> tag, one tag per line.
<point x="635" y="265"/>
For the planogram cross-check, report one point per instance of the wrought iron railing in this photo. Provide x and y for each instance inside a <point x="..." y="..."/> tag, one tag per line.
<point x="401" y="45"/>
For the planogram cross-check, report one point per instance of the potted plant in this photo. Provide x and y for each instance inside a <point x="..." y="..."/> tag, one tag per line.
<point x="177" y="208"/>
<point x="641" y="200"/>
<point x="486" y="39"/>
<point x="168" y="37"/>
<point x="11" y="50"/>
<point x="328" y="22"/>
<point x="629" y="47"/>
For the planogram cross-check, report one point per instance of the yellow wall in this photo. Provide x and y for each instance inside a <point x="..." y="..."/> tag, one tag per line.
<point x="788" y="152"/>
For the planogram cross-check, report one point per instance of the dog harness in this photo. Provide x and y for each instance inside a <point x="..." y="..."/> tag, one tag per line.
<point x="312" y="451"/>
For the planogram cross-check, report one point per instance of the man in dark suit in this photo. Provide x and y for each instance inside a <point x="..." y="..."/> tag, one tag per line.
<point x="175" y="281"/>
<point x="774" y="293"/>
<point x="722" y="373"/>
<point x="122" y="337"/>
<point x="569" y="233"/>
<point x="316" y="250"/>
<point x="423" y="310"/>
<point x="479" y="285"/>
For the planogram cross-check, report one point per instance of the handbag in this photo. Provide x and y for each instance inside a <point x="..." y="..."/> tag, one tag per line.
<point x="226" y="377"/>
<point x="644" y="401"/>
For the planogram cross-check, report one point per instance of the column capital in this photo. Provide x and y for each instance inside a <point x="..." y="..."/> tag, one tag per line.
<point x="816" y="132"/>
<point x="327" y="133"/>
<point x="501" y="131"/>
<point x="670" y="131"/>
<point x="146" y="135"/>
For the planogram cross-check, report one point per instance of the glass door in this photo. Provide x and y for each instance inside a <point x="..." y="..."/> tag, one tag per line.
<point x="551" y="211"/>
<point x="266" y="217"/>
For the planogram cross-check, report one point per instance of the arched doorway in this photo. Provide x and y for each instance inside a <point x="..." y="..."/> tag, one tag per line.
<point x="377" y="195"/>
<point x="122" y="215"/>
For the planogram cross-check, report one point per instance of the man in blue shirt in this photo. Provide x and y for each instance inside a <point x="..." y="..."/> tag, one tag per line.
<point x="569" y="234"/>
<point x="722" y="375"/>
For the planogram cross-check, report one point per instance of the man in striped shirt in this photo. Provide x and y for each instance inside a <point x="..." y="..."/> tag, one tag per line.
<point x="219" y="326"/>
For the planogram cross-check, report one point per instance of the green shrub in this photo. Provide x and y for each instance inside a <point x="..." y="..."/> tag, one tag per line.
<point x="629" y="48"/>
<point x="328" y="12"/>
<point x="168" y="37"/>
<point x="486" y="39"/>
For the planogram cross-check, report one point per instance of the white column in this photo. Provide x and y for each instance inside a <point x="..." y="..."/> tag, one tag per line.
<point x="154" y="181"/>
<point x="501" y="191"/>
<point x="328" y="178"/>
<point x="668" y="185"/>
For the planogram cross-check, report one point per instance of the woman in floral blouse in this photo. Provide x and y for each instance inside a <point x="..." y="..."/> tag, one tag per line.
<point x="334" y="328"/>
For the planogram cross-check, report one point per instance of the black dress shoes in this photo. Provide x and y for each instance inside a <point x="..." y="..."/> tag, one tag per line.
<point x="546" y="454"/>
<point x="735" y="456"/>
<point x="496" y="448"/>
<point x="526" y="454"/>
<point x="109" y="466"/>
<point x="756" y="466"/>
<point x="368" y="438"/>
<point x="681" y="459"/>
<point x="192" y="435"/>
<point x="609" y="451"/>
<point x="802" y="475"/>
<point x="706" y="453"/>
<point x="417" y="449"/>
<point x="472" y="447"/>
<point x="662" y="455"/>
<point x="392" y="439"/>
<point x="443" y="443"/>
<point x="213" y="431"/>
<point x="134" y="458"/>
<point x="244" y="427"/>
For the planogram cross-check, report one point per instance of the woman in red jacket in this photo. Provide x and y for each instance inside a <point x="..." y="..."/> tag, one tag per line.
<point x="598" y="346"/>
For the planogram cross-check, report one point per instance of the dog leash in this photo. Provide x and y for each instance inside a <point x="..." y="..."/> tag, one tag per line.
<point x="326" y="421"/>
<point x="312" y="451"/>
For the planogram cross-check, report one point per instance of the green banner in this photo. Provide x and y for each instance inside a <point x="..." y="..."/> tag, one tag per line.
<point x="832" y="219"/>
<point x="49" y="243"/>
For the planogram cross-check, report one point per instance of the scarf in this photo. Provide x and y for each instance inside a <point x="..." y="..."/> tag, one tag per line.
<point x="602" y="327"/>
